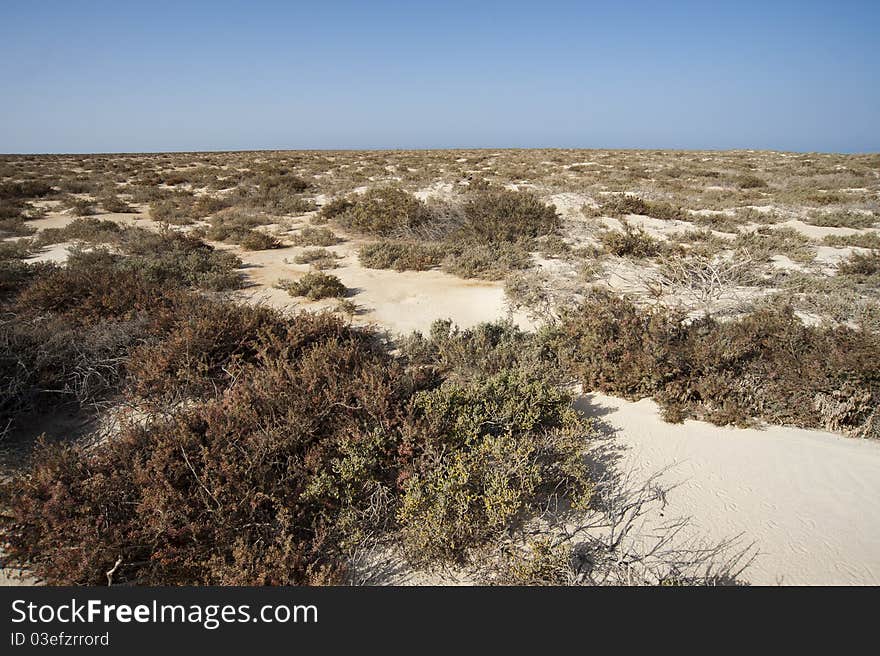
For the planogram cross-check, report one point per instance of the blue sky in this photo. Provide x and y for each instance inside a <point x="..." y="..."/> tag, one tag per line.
<point x="149" y="76"/>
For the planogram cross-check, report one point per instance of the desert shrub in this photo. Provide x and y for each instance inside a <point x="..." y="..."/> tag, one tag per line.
<point x="15" y="275"/>
<point x="487" y="260"/>
<point x="348" y="307"/>
<point x="765" y="242"/>
<point x="234" y="226"/>
<point x="11" y="209"/>
<point x="629" y="242"/>
<point x="386" y="212"/>
<point x="309" y="436"/>
<point x="166" y="258"/>
<point x="314" y="285"/>
<point x="52" y="360"/>
<point x="277" y="193"/>
<point x="843" y="219"/>
<point x="862" y="240"/>
<point x="96" y="231"/>
<point x="15" y="227"/>
<point x="861" y="264"/>
<point x="475" y="353"/>
<point x="257" y="240"/>
<point x="766" y="365"/>
<point x="309" y="236"/>
<point x="209" y="342"/>
<point x="504" y="215"/>
<point x="175" y="209"/>
<point x="335" y="208"/>
<point x="620" y="205"/>
<point x="79" y="206"/>
<point x="491" y="452"/>
<point x="554" y="246"/>
<point x="259" y="487"/>
<point x="17" y="249"/>
<point x="114" y="204"/>
<point x="750" y="181"/>
<point x="176" y="258"/>
<point x="24" y="190"/>
<point x="399" y="256"/>
<point x="320" y="258"/>
<point x="720" y="221"/>
<point x="208" y="205"/>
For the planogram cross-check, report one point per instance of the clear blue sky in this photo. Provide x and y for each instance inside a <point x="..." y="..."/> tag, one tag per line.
<point x="86" y="76"/>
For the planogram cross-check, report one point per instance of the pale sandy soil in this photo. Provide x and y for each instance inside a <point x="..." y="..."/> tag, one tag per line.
<point x="402" y="301"/>
<point x="810" y="500"/>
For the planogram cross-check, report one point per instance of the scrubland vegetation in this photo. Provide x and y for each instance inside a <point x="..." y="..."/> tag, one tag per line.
<point x="233" y="443"/>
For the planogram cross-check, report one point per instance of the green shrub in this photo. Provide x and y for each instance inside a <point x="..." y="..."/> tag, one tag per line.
<point x="95" y="231"/>
<point x="862" y="240"/>
<point x="504" y="215"/>
<point x="208" y="205"/>
<point x="386" y="212"/>
<point x="176" y="209"/>
<point x="630" y="242"/>
<point x="487" y="261"/>
<point x="861" y="264"/>
<point x="765" y="242"/>
<point x="335" y="208"/>
<point x="18" y="249"/>
<point x="80" y="206"/>
<point x="24" y="190"/>
<point x="309" y="236"/>
<point x="257" y="240"/>
<point x="844" y="219"/>
<point x="485" y="350"/>
<point x="314" y="285"/>
<point x="750" y="181"/>
<point x="492" y="449"/>
<point x="399" y="256"/>
<point x="623" y="204"/>
<point x="320" y="258"/>
<point x="114" y="204"/>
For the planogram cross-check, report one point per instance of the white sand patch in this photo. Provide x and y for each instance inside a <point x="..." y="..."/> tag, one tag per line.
<point x="398" y="301"/>
<point x="810" y="499"/>
<point x="569" y="204"/>
<point x="436" y="190"/>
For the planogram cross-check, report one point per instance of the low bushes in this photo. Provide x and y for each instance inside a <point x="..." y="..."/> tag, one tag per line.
<point x="766" y="365"/>
<point x="268" y="447"/>
<point x="309" y="236"/>
<point x="511" y="439"/>
<point x="319" y="258"/>
<point x="493" y="215"/>
<point x="863" y="265"/>
<point x="256" y="240"/>
<point x="622" y="204"/>
<point x="96" y="231"/>
<point x="314" y="285"/>
<point x="114" y="204"/>
<point x="400" y="256"/>
<point x="385" y="212"/>
<point x="488" y="260"/>
<point x="630" y="242"/>
<point x="504" y="215"/>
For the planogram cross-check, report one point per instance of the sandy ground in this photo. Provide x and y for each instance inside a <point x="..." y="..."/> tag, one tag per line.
<point x="810" y="500"/>
<point x="402" y="301"/>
